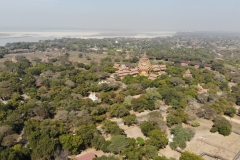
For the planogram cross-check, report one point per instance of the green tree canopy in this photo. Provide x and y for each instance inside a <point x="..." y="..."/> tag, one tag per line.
<point x="157" y="138"/>
<point x="118" y="143"/>
<point x="71" y="142"/>
<point x="189" y="156"/>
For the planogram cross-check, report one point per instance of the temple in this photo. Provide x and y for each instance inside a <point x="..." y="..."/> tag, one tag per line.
<point x="144" y="68"/>
<point x="201" y="89"/>
<point x="187" y="74"/>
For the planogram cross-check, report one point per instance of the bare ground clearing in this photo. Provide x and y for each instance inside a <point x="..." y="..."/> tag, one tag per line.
<point x="55" y="54"/>
<point x="213" y="143"/>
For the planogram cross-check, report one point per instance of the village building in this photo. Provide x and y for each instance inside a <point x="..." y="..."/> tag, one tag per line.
<point x="156" y="68"/>
<point x="116" y="66"/>
<point x="152" y="76"/>
<point x="184" y="63"/>
<point x="93" y="96"/>
<point x="134" y="71"/>
<point x="197" y="65"/>
<point x="163" y="67"/>
<point x="208" y="66"/>
<point x="94" y="49"/>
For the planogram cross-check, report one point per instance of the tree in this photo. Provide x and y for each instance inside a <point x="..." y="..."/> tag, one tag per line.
<point x="133" y="151"/>
<point x="195" y="124"/>
<point x="135" y="89"/>
<point x="151" y="152"/>
<point x="70" y="83"/>
<point x="71" y="142"/>
<point x="189" y="156"/>
<point x="34" y="71"/>
<point x="140" y="141"/>
<point x="171" y="93"/>
<point x="129" y="120"/>
<point x="80" y="55"/>
<point x="146" y="127"/>
<point x="134" y="59"/>
<point x="118" y="143"/>
<point x="152" y="94"/>
<point x="139" y="104"/>
<point x="230" y="111"/>
<point x="105" y="145"/>
<point x="87" y="133"/>
<point x="157" y="138"/>
<point x="9" y="140"/>
<point x="222" y="125"/>
<point x="181" y="135"/>
<point x="156" y="119"/>
<point x="162" y="158"/>
<point x="175" y="81"/>
<point x="206" y="112"/>
<point x="176" y="117"/>
<point x="44" y="147"/>
<point x="98" y="141"/>
<point x="202" y="98"/>
<point x="118" y="111"/>
<point x="112" y="128"/>
<point x="11" y="154"/>
<point x="6" y="89"/>
<point x="61" y="155"/>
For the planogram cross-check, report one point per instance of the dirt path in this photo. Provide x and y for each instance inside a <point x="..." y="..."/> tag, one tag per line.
<point x="232" y="119"/>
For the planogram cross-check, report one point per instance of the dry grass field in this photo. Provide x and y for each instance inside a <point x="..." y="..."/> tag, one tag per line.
<point x="213" y="143"/>
<point x="94" y="57"/>
<point x="55" y="54"/>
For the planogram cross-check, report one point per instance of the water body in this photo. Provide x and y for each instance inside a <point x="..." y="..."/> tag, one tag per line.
<point x="35" y="36"/>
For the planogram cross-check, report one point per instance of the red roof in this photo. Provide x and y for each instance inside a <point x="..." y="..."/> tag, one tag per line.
<point x="156" y="69"/>
<point x="88" y="156"/>
<point x="207" y="65"/>
<point x="186" y="62"/>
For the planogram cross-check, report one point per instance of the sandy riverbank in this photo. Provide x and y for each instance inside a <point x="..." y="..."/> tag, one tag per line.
<point x="35" y="36"/>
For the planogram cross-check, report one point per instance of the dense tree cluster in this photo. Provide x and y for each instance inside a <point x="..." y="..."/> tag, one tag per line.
<point x="45" y="112"/>
<point x="181" y="135"/>
<point x="222" y="126"/>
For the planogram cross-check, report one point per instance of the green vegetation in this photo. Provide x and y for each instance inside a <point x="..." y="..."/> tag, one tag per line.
<point x="189" y="156"/>
<point x="181" y="135"/>
<point x="222" y="125"/>
<point x="45" y="111"/>
<point x="195" y="124"/>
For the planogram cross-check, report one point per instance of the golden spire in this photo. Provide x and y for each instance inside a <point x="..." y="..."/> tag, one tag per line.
<point x="145" y="55"/>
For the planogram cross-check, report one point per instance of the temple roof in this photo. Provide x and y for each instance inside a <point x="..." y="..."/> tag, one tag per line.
<point x="144" y="64"/>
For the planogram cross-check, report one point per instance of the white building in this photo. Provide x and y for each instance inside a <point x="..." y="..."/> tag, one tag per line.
<point x="101" y="82"/>
<point x="93" y="96"/>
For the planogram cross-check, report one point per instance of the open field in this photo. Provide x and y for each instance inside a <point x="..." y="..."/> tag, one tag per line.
<point x="98" y="153"/>
<point x="94" y="57"/>
<point x="205" y="141"/>
<point x="213" y="143"/>
<point x="55" y="54"/>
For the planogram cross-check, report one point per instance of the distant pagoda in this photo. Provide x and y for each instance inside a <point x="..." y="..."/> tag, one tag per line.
<point x="144" y="66"/>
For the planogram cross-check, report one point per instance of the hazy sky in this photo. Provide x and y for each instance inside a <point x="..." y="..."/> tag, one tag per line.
<point x="139" y="15"/>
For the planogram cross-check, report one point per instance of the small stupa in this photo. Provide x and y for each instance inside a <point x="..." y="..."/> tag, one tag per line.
<point x="187" y="74"/>
<point x="93" y="96"/>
